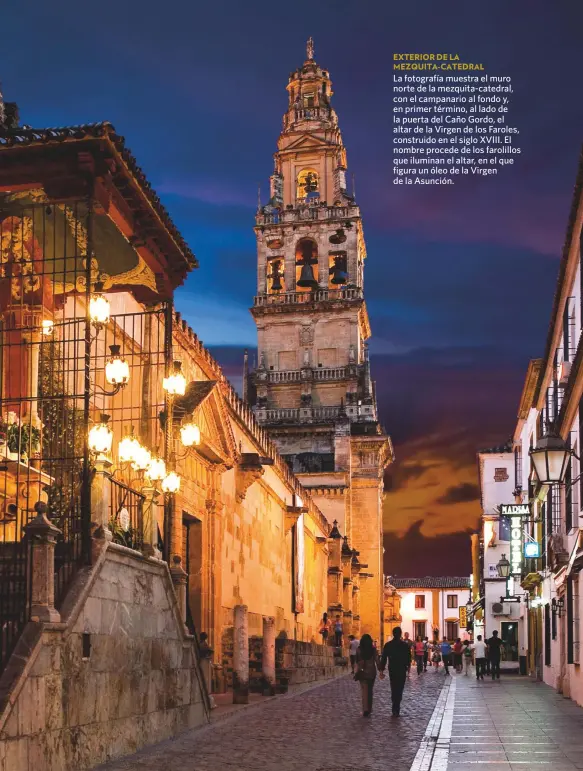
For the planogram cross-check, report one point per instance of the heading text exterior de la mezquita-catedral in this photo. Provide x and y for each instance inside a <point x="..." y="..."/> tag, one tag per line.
<point x="142" y="501"/>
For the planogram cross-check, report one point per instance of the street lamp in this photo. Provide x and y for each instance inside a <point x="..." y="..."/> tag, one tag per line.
<point x="99" y="310"/>
<point x="171" y="483"/>
<point x="175" y="383"/>
<point x="117" y="370"/>
<point x="503" y="567"/>
<point x="190" y="434"/>
<point x="128" y="448"/>
<point x="550" y="457"/>
<point x="156" y="470"/>
<point x="101" y="436"/>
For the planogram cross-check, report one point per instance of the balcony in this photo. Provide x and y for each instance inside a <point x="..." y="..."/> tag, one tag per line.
<point x="319" y="374"/>
<point x="307" y="213"/>
<point x="303" y="298"/>
<point x="298" y="415"/>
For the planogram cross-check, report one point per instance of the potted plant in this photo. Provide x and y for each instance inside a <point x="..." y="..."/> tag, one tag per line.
<point x="21" y="439"/>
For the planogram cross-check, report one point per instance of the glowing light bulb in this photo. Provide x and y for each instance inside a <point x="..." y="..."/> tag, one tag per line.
<point x="47" y="327"/>
<point x="142" y="458"/>
<point x="171" y="483"/>
<point x="99" y="310"/>
<point x="190" y="434"/>
<point x="117" y="370"/>
<point x="156" y="469"/>
<point x="175" y="383"/>
<point x="101" y="436"/>
<point x="127" y="448"/>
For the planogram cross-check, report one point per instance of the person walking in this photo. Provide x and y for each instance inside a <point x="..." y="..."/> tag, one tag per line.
<point x="435" y="655"/>
<point x="467" y="657"/>
<point x="352" y="650"/>
<point x="494" y="651"/>
<point x="398" y="655"/>
<point x="426" y="647"/>
<point x="367" y="663"/>
<point x="419" y="654"/>
<point x="457" y="654"/>
<point x="338" y="632"/>
<point x="446" y="654"/>
<point x="410" y="644"/>
<point x="479" y="650"/>
<point x="325" y="627"/>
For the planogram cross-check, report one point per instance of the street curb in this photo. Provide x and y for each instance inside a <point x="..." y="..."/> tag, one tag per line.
<point x="433" y="751"/>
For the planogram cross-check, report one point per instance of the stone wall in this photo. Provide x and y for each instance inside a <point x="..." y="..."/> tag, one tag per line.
<point x="118" y="673"/>
<point x="304" y="662"/>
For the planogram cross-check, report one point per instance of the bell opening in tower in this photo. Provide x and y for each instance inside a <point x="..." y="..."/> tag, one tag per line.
<point x="306" y="265"/>
<point x="307" y="185"/>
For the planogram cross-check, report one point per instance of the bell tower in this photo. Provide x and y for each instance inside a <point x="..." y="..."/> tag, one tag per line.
<point x="312" y="387"/>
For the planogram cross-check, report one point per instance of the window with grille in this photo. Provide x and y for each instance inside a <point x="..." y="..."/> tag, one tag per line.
<point x="419" y="600"/>
<point x="420" y="629"/>
<point x="554" y="514"/>
<point x="518" y="468"/>
<point x="451" y="630"/>
<point x="452" y="600"/>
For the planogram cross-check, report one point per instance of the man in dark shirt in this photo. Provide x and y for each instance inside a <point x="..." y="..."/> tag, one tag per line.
<point x="494" y="645"/>
<point x="398" y="654"/>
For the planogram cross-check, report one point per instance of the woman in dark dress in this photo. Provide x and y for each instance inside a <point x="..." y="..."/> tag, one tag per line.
<point x="367" y="663"/>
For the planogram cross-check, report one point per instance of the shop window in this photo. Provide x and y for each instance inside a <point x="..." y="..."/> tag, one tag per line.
<point x="419" y="600"/>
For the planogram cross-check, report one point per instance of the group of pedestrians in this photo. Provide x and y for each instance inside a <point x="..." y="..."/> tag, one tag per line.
<point x="400" y="652"/>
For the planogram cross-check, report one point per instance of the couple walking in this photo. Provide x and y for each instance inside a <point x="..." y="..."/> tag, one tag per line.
<point x="397" y="654"/>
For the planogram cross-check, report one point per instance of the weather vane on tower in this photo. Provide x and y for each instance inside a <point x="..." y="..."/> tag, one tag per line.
<point x="310" y="48"/>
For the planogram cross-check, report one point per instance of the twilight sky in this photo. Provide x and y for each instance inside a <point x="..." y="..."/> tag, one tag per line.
<point x="459" y="279"/>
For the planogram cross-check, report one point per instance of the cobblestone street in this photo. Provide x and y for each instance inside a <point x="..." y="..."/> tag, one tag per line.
<point x="320" y="729"/>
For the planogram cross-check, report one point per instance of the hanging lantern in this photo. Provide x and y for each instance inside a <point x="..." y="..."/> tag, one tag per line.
<point x="117" y="370"/>
<point x="101" y="436"/>
<point x="142" y="458"/>
<point x="171" y="483"/>
<point x="127" y="448"/>
<point x="175" y="383"/>
<point x="550" y="457"/>
<point x="189" y="434"/>
<point x="47" y="327"/>
<point x="99" y="310"/>
<point x="156" y="469"/>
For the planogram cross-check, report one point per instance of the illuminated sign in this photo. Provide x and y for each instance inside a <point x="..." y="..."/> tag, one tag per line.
<point x="515" y="510"/>
<point x="515" y="545"/>
<point x="463" y="617"/>
<point x="532" y="550"/>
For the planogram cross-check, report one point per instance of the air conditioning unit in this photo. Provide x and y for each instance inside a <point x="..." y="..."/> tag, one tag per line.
<point x="501" y="608"/>
<point x="564" y="372"/>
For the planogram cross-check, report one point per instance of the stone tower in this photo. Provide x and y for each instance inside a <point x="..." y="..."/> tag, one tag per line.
<point x="312" y="387"/>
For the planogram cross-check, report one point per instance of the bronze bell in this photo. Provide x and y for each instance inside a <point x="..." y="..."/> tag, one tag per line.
<point x="338" y="271"/>
<point x="306" y="279"/>
<point x="275" y="277"/>
<point x="339" y="237"/>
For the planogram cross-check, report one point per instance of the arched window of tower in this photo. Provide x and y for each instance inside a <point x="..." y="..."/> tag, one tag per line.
<point x="306" y="265"/>
<point x="307" y="185"/>
<point x="275" y="275"/>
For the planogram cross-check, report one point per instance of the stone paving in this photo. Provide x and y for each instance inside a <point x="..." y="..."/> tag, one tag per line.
<point x="513" y="724"/>
<point x="320" y="729"/>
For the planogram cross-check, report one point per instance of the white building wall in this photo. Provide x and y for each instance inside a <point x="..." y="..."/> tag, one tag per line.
<point x="437" y="615"/>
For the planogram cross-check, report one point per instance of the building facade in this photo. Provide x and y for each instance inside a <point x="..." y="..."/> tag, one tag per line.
<point x="541" y="534"/>
<point x="312" y="388"/>
<point x="496" y="608"/>
<point x="141" y="503"/>
<point x="427" y="607"/>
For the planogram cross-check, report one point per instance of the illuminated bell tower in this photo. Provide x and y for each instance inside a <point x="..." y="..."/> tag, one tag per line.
<point x="312" y="386"/>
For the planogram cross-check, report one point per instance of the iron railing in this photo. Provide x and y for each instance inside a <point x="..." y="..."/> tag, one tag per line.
<point x="53" y="258"/>
<point x="126" y="519"/>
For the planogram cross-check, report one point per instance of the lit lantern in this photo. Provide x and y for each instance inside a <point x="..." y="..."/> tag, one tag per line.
<point x="99" y="306"/>
<point x="175" y="383"/>
<point x="47" y="327"/>
<point x="142" y="458"/>
<point x="171" y="483"/>
<point x="156" y="469"/>
<point x="117" y="370"/>
<point x="101" y="436"/>
<point x="190" y="434"/>
<point x="128" y="448"/>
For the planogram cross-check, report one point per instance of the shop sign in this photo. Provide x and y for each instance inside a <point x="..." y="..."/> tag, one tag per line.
<point x="532" y="550"/>
<point x="515" y="510"/>
<point x="516" y="533"/>
<point x="463" y="617"/>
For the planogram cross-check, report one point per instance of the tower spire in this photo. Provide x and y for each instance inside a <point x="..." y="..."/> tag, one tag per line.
<point x="310" y="49"/>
